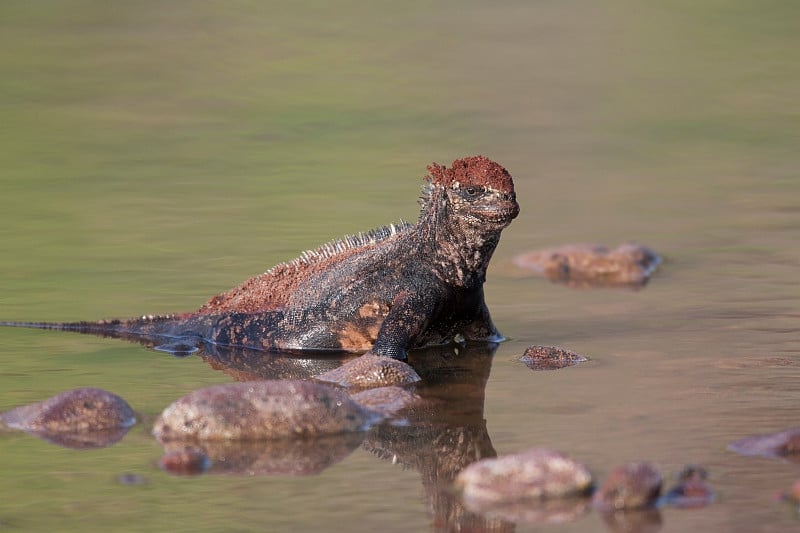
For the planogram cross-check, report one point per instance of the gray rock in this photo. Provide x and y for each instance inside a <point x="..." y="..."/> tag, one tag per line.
<point x="74" y="411"/>
<point x="261" y="410"/>
<point x="537" y="474"/>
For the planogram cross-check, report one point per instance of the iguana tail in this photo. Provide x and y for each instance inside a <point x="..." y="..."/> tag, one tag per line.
<point x="150" y="330"/>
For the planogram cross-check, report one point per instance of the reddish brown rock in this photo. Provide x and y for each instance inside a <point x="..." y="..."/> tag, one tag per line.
<point x="261" y="410"/>
<point x="74" y="411"/>
<point x="593" y="265"/>
<point x="550" y="358"/>
<point x="534" y="475"/>
<point x="631" y="486"/>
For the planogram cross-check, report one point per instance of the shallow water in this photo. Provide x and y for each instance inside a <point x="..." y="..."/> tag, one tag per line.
<point x="156" y="155"/>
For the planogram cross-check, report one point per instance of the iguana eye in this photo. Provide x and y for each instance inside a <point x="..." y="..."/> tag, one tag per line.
<point x="473" y="192"/>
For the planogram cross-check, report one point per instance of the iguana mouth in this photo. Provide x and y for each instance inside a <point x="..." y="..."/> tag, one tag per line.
<point x="505" y="212"/>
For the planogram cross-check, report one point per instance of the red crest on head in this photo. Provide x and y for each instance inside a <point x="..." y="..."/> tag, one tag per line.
<point x="476" y="170"/>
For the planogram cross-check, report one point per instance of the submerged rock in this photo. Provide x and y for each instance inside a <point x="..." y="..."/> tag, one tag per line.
<point x="261" y="410"/>
<point x="550" y="358"/>
<point x="74" y="411"/>
<point x="131" y="479"/>
<point x="593" y="265"/>
<point x="371" y="370"/>
<point x="784" y="444"/>
<point x="534" y="475"/>
<point x="631" y="486"/>
<point x="184" y="461"/>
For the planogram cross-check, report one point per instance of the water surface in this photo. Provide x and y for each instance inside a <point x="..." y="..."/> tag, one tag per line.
<point x="154" y="155"/>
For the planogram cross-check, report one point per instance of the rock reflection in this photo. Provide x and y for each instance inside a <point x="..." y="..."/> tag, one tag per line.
<point x="634" y="521"/>
<point x="439" y="433"/>
<point x="290" y="457"/>
<point x="86" y="440"/>
<point x="442" y="432"/>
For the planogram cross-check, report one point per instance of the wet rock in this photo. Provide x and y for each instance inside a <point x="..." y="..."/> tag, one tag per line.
<point x="261" y="410"/>
<point x="593" y="265"/>
<point x="534" y="475"/>
<point x="294" y="456"/>
<point x="550" y="358"/>
<point x="631" y="486"/>
<point x="185" y="461"/>
<point x="74" y="411"/>
<point x="784" y="444"/>
<point x="691" y="490"/>
<point x="386" y="401"/>
<point x="131" y="479"/>
<point x="369" y="371"/>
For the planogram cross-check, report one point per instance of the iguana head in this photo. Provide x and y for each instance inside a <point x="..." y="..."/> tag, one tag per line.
<point x="477" y="190"/>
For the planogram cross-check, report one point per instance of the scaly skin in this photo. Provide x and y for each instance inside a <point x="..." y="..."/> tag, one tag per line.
<point x="385" y="291"/>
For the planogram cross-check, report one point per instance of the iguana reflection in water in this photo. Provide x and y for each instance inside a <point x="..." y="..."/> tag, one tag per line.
<point x="438" y="436"/>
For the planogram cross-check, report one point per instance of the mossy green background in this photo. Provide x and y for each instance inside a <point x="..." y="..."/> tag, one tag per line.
<point x="153" y="154"/>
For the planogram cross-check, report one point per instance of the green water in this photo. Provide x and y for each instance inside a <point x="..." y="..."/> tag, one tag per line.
<point x="154" y="154"/>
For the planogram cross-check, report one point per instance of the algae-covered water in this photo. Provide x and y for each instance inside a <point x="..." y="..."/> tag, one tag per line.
<point x="154" y="154"/>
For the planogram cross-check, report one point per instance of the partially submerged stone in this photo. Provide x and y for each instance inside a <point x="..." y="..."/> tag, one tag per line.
<point x="261" y="410"/>
<point x="75" y="411"/>
<point x="783" y="444"/>
<point x="369" y="371"/>
<point x="593" y="265"/>
<point x="550" y="358"/>
<point x="535" y="475"/>
<point x="692" y="489"/>
<point x="631" y="486"/>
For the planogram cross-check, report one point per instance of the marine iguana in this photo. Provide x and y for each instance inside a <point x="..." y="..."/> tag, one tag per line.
<point x="384" y="291"/>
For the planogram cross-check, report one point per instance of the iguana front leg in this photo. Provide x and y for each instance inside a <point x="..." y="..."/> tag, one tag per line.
<point x="383" y="365"/>
<point x="409" y="316"/>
